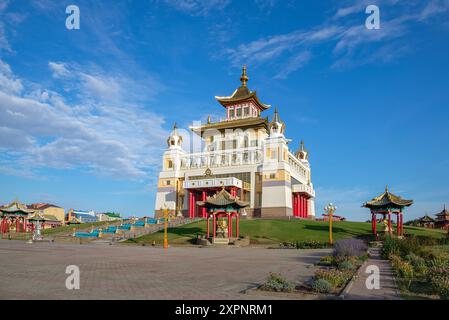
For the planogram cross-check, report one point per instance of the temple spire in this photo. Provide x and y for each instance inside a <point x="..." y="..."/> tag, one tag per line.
<point x="244" y="78"/>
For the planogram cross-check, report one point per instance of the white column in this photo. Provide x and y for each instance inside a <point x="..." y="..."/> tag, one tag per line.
<point x="311" y="207"/>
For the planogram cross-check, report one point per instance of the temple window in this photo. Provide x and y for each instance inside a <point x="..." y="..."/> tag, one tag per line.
<point x="246" y="111"/>
<point x="168" y="182"/>
<point x="239" y="112"/>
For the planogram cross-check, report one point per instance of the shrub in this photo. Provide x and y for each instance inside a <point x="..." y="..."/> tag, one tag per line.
<point x="350" y="248"/>
<point x="322" y="286"/>
<point x="403" y="269"/>
<point x="311" y="244"/>
<point x="336" y="278"/>
<point x="276" y="282"/>
<point x="326" y="261"/>
<point x="439" y="280"/>
<point x="346" y="265"/>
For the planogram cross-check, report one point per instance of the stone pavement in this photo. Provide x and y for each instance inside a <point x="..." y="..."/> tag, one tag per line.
<point x="37" y="271"/>
<point x="388" y="288"/>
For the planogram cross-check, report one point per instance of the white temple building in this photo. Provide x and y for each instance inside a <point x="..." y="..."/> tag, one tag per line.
<point x="246" y="154"/>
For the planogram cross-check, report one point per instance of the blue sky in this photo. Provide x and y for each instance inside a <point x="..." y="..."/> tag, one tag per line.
<point x="84" y="114"/>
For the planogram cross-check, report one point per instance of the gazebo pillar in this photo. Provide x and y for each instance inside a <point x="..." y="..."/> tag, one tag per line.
<point x="229" y="226"/>
<point x="208" y="226"/>
<point x="237" y="231"/>
<point x="389" y="222"/>
<point x="398" y="224"/>
<point x="214" y="227"/>
<point x="204" y="211"/>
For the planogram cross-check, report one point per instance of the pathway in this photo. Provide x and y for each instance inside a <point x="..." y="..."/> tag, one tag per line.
<point x="388" y="288"/>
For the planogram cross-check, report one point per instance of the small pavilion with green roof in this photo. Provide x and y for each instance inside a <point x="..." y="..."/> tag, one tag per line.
<point x="226" y="206"/>
<point x="387" y="204"/>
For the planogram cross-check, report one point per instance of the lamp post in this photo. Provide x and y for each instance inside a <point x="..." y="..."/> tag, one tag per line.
<point x="165" y="227"/>
<point x="330" y="209"/>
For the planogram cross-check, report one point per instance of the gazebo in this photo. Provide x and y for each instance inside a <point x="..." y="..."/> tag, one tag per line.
<point x="227" y="207"/>
<point x="387" y="204"/>
<point x="14" y="215"/>
<point x="426" y="221"/>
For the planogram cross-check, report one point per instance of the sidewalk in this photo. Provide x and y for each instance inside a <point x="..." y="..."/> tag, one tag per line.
<point x="388" y="288"/>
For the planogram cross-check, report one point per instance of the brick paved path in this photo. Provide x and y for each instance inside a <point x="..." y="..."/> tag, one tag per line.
<point x="37" y="271"/>
<point x="388" y="288"/>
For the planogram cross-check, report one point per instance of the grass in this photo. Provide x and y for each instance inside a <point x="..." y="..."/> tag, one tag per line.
<point x="277" y="231"/>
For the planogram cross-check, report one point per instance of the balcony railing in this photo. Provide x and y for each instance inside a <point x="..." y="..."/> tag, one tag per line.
<point x="302" y="188"/>
<point x="213" y="183"/>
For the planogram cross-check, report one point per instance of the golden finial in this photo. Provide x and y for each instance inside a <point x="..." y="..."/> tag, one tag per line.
<point x="208" y="119"/>
<point x="244" y="78"/>
<point x="386" y="188"/>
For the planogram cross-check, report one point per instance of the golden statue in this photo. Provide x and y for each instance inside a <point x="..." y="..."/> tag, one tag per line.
<point x="222" y="228"/>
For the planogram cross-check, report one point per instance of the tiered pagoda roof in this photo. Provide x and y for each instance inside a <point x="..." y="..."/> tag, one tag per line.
<point x="223" y="199"/>
<point x="16" y="208"/>
<point x="443" y="215"/>
<point x="426" y="218"/>
<point x="242" y="94"/>
<point x="387" y="200"/>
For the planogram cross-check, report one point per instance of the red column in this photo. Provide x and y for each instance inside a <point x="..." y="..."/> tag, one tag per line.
<point x="17" y="224"/>
<point x="214" y="227"/>
<point x="389" y="222"/>
<point x="306" y="207"/>
<point x="204" y="208"/>
<point x="194" y="205"/>
<point x="302" y="206"/>
<point x="237" y="231"/>
<point x="398" y="225"/>
<point x="401" y="223"/>
<point x="208" y="227"/>
<point x="24" y="224"/>
<point x="190" y="204"/>
<point x="375" y="223"/>
<point x="299" y="205"/>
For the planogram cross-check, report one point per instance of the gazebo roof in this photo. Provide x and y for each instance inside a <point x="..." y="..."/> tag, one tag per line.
<point x="37" y="217"/>
<point x="222" y="199"/>
<point x="426" y="218"/>
<point x="16" y="208"/>
<point x="387" y="200"/>
<point x="443" y="213"/>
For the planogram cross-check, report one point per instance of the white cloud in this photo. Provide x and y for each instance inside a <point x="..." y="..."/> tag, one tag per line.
<point x="58" y="69"/>
<point x="351" y="43"/>
<point x="39" y="129"/>
<point x="198" y="7"/>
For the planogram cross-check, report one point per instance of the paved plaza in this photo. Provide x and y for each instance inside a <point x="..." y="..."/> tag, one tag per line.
<point x="37" y="271"/>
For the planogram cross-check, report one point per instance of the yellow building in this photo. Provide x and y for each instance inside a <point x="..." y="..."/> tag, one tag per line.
<point x="50" y="211"/>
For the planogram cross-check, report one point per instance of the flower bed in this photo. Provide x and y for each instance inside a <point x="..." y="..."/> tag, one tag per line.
<point x="420" y="270"/>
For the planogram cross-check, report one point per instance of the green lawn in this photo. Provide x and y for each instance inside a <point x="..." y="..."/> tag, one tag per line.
<point x="276" y="231"/>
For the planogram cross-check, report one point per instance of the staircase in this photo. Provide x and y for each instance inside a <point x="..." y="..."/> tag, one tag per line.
<point x="138" y="232"/>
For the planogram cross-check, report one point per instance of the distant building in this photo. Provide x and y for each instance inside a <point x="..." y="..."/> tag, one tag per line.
<point x="442" y="219"/>
<point x="49" y="211"/>
<point x="82" y="216"/>
<point x="334" y="217"/>
<point x="426" y="222"/>
<point x="113" y="216"/>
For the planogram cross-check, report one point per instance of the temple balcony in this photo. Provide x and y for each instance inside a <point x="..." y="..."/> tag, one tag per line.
<point x="213" y="183"/>
<point x="302" y="188"/>
<point x="222" y="158"/>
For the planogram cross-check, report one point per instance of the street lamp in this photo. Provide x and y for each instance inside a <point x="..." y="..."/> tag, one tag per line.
<point x="165" y="226"/>
<point x="330" y="209"/>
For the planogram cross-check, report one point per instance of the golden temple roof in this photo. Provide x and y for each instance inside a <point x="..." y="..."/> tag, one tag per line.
<point x="223" y="199"/>
<point x="387" y="200"/>
<point x="242" y="94"/>
<point x="252" y="122"/>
